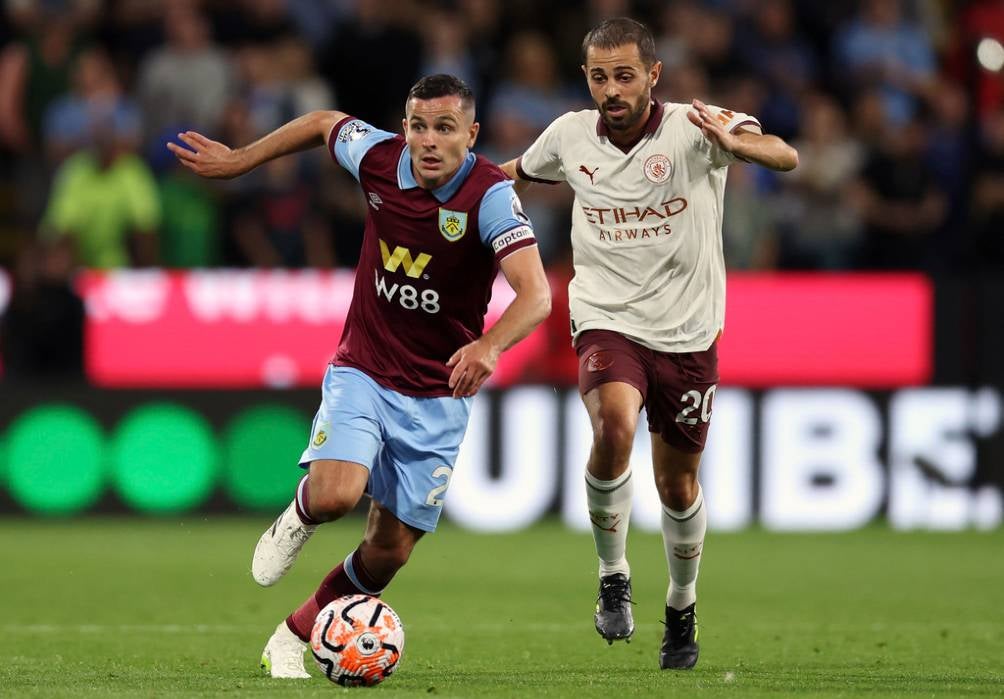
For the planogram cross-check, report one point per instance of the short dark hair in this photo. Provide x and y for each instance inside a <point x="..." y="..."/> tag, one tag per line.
<point x="442" y="85"/>
<point x="621" y="31"/>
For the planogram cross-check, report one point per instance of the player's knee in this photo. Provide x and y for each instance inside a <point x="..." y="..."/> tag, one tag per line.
<point x="614" y="436"/>
<point x="678" y="493"/>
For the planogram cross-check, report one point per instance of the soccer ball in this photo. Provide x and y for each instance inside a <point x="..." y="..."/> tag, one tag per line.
<point x="357" y="640"/>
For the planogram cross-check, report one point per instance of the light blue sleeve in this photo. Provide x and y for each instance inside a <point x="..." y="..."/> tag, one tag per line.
<point x="501" y="212"/>
<point x="354" y="139"/>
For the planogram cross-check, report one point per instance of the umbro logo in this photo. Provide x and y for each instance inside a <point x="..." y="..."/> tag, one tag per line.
<point x="375" y="201"/>
<point x="583" y="168"/>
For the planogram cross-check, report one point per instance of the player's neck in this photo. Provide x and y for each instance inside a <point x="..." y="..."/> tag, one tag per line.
<point x="434" y="184"/>
<point x="631" y="136"/>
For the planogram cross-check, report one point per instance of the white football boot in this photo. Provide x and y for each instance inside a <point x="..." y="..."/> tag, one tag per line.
<point x="278" y="547"/>
<point x="283" y="654"/>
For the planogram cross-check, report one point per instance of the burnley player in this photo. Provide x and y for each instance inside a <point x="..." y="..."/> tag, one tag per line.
<point x="647" y="300"/>
<point x="397" y="395"/>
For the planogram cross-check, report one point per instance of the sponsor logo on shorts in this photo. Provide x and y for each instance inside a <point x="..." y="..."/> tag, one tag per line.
<point x="658" y="168"/>
<point x="320" y="438"/>
<point x="599" y="361"/>
<point x="511" y="237"/>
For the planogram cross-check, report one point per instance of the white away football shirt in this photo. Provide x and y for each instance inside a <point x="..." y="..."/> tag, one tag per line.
<point x="646" y="224"/>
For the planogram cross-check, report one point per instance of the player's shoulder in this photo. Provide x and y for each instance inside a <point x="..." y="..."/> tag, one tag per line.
<point x="578" y="119"/>
<point x="573" y="123"/>
<point x="674" y="112"/>
<point x="488" y="173"/>
<point x="386" y="152"/>
<point x="391" y="141"/>
<point x="675" y="128"/>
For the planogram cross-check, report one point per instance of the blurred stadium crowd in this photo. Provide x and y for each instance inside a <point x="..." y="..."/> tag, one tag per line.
<point x="896" y="108"/>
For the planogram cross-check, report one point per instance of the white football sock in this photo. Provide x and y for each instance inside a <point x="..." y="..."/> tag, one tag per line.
<point x="683" y="536"/>
<point x="609" y="504"/>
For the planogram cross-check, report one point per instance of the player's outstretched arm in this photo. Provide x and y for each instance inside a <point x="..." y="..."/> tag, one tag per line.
<point x="213" y="159"/>
<point x="473" y="363"/>
<point x="762" y="149"/>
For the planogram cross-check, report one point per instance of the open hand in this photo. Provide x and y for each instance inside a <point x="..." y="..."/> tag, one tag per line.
<point x="207" y="158"/>
<point x="711" y="127"/>
<point x="472" y="365"/>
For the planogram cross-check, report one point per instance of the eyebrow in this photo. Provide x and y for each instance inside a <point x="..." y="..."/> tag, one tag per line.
<point x="442" y="118"/>
<point x="614" y="69"/>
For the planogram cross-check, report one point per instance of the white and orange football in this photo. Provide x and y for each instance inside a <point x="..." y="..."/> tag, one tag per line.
<point x="357" y="640"/>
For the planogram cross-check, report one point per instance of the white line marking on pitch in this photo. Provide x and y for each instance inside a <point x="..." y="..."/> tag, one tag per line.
<point x="126" y="628"/>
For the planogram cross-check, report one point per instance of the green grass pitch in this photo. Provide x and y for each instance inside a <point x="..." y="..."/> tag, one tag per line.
<point x="163" y="608"/>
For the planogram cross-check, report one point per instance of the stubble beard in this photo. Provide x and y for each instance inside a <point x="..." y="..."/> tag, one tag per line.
<point x="630" y="120"/>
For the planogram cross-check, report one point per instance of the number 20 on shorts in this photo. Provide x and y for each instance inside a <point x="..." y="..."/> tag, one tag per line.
<point x="692" y="401"/>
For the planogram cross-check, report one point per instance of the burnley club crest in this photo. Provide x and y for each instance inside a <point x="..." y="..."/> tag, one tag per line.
<point x="452" y="224"/>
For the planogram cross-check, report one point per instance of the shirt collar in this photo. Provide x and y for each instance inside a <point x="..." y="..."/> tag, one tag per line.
<point x="651" y="126"/>
<point x="406" y="179"/>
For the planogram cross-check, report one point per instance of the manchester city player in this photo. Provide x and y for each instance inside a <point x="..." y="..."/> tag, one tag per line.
<point x="648" y="300"/>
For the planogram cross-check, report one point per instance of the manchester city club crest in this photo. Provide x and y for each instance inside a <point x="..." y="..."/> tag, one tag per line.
<point x="452" y="224"/>
<point x="658" y="169"/>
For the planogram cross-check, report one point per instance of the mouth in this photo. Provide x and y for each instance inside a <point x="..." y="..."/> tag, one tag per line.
<point x="615" y="110"/>
<point x="430" y="162"/>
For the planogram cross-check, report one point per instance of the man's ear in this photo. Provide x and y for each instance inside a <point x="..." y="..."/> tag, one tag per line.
<point x="655" y="72"/>
<point x="473" y="134"/>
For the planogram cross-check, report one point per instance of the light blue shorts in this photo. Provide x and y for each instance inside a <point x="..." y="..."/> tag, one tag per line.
<point x="408" y="444"/>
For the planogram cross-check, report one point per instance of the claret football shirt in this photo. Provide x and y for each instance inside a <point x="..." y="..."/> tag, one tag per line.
<point x="428" y="259"/>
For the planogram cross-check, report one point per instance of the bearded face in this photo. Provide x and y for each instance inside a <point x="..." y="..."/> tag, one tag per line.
<point x="621" y="86"/>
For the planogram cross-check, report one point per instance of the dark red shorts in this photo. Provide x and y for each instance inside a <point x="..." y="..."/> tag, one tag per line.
<point x="677" y="388"/>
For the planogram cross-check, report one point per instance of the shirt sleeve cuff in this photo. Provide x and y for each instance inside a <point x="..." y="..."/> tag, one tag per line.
<point x="523" y="176"/>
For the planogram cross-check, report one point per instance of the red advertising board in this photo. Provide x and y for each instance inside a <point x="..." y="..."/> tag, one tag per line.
<point x="867" y="330"/>
<point x="261" y="328"/>
<point x="230" y="329"/>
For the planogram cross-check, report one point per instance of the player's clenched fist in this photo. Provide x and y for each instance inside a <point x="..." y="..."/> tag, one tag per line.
<point x="206" y="157"/>
<point x="472" y="365"/>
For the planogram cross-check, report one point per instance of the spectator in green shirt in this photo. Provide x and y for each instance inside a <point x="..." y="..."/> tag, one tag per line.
<point x="105" y="200"/>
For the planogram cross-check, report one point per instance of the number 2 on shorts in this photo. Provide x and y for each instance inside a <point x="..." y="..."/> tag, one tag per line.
<point x="433" y="500"/>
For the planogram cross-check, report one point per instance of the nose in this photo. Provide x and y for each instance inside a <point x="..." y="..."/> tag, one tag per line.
<point x="429" y="140"/>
